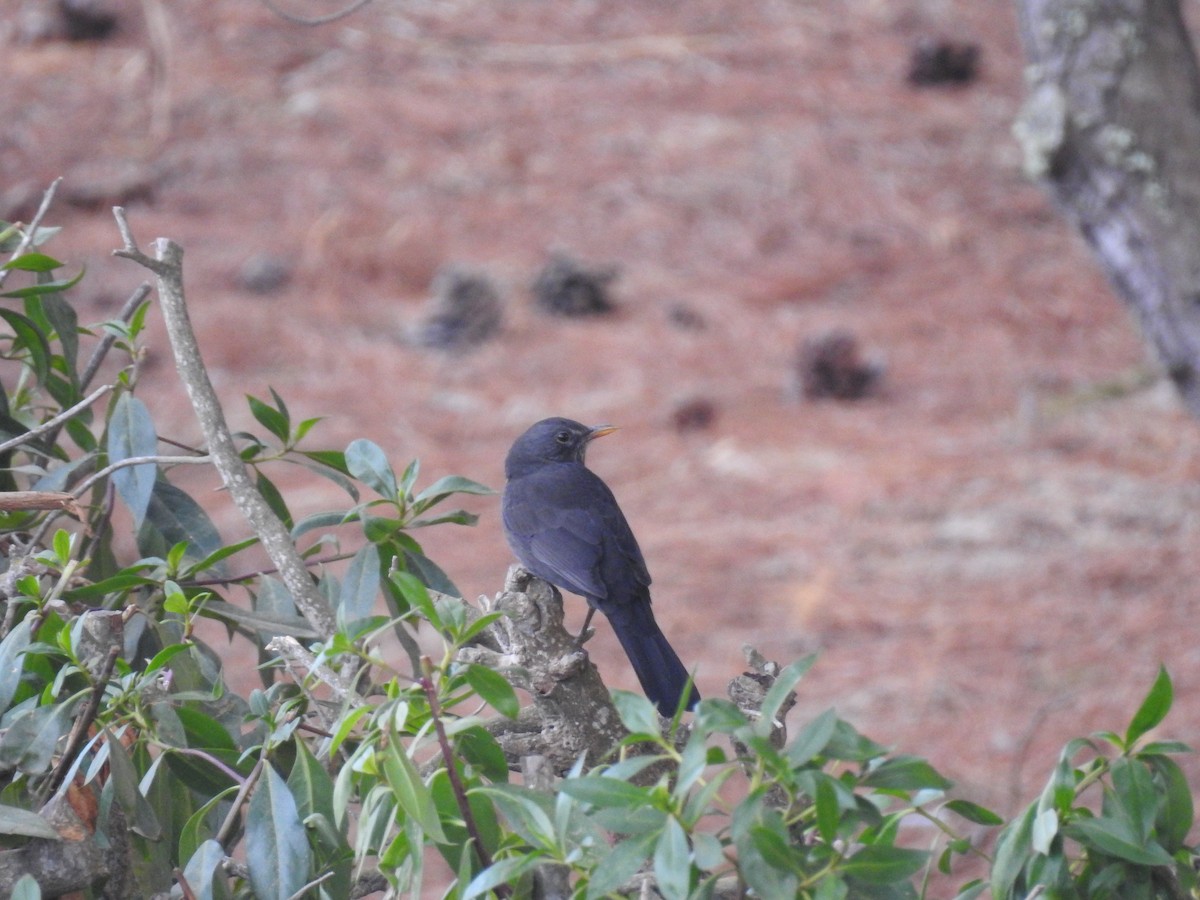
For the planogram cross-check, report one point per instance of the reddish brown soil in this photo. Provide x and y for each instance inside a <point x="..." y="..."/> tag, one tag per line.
<point x="992" y="555"/>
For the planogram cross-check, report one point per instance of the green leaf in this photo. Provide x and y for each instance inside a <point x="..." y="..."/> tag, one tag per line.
<point x="1176" y="812"/>
<point x="273" y="497"/>
<point x="973" y="812"/>
<point x="45" y="287"/>
<point x="27" y="335"/>
<point x="777" y="694"/>
<point x="270" y="418"/>
<point x="506" y="871"/>
<point x="482" y="750"/>
<point x="1045" y="830"/>
<point x="850" y="746"/>
<point x="63" y="319"/>
<point x="829" y="813"/>
<point x="1133" y="791"/>
<point x="204" y="873"/>
<point x="602" y="791"/>
<point x="199" y="827"/>
<point x="319" y="520"/>
<point x="12" y="661"/>
<point x="360" y="586"/>
<point x="884" y="864"/>
<point x="673" y="862"/>
<point x="759" y="874"/>
<point x="618" y="864"/>
<point x="1153" y="709"/>
<point x="259" y="620"/>
<point x="175" y="516"/>
<point x="637" y="713"/>
<point x="450" y="484"/>
<point x="526" y="812"/>
<point x="125" y="779"/>
<point x="494" y="689"/>
<point x="131" y="434"/>
<point x="367" y="462"/>
<point x="277" y="850"/>
<point x="811" y="739"/>
<point x="430" y="573"/>
<point x="1012" y="852"/>
<point x="1115" y="838"/>
<point x="30" y="742"/>
<point x="120" y="583"/>
<point x="25" y="823"/>
<point x="409" y="790"/>
<point x="33" y="262"/>
<point x="310" y="784"/>
<point x="906" y="773"/>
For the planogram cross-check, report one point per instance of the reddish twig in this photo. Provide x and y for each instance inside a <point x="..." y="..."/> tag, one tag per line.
<point x="460" y="791"/>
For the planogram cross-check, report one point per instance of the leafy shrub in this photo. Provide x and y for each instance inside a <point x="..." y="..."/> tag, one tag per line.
<point x="343" y="772"/>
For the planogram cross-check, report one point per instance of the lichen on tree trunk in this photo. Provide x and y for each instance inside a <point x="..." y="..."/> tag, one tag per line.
<point x="1111" y="126"/>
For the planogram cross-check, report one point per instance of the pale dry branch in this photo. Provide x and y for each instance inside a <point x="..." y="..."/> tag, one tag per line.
<point x="167" y="265"/>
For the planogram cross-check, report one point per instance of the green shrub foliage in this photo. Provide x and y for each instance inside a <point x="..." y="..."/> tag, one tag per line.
<point x="294" y="788"/>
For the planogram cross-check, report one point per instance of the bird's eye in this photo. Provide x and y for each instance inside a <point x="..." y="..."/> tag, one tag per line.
<point x="563" y="437"/>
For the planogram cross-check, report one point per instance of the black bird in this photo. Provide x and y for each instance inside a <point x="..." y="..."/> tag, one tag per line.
<point x="564" y="525"/>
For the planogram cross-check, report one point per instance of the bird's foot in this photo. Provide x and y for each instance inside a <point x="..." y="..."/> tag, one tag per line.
<point x="584" y="636"/>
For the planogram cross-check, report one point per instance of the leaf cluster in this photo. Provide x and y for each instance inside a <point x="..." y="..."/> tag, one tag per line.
<point x="347" y="767"/>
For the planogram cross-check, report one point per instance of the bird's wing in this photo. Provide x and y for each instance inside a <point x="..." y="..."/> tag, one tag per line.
<point x="579" y="539"/>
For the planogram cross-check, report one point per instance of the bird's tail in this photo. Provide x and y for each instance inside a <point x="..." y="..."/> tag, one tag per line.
<point x="662" y="675"/>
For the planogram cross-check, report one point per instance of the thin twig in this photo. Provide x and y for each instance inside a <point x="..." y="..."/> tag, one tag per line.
<point x="184" y="887"/>
<point x="138" y="461"/>
<point x="52" y="424"/>
<point x="84" y="720"/>
<point x="131" y="305"/>
<point x="34" y="224"/>
<point x="258" y="573"/>
<point x="456" y="785"/>
<point x="352" y="8"/>
<point x="230" y="822"/>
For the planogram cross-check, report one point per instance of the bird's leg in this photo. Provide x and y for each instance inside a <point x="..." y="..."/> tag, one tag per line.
<point x="584" y="633"/>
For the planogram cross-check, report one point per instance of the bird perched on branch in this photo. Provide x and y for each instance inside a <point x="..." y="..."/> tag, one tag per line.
<point x="564" y="525"/>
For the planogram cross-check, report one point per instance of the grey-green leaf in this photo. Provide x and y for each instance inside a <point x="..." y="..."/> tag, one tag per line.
<point x="12" y="661"/>
<point x="25" y="823"/>
<point x="369" y="464"/>
<point x="204" y="874"/>
<point x="277" y="850"/>
<point x="360" y="587"/>
<point x="673" y="862"/>
<point x="176" y="517"/>
<point x="29" y="743"/>
<point x="130" y="435"/>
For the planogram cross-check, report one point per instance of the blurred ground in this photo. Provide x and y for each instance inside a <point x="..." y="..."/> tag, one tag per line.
<point x="992" y="555"/>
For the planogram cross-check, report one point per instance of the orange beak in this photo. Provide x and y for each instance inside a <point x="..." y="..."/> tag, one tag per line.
<point x="600" y="431"/>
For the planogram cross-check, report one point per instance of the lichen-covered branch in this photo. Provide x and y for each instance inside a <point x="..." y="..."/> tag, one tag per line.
<point x="167" y="265"/>
<point x="1112" y="127"/>
<point x="572" y="713"/>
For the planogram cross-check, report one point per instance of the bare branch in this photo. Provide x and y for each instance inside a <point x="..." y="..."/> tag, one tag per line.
<point x="52" y="424"/>
<point x="138" y="461"/>
<point x="275" y="537"/>
<point x="23" y="500"/>
<point x="34" y="224"/>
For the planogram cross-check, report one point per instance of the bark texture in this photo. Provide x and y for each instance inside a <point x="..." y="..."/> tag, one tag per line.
<point x="1111" y="126"/>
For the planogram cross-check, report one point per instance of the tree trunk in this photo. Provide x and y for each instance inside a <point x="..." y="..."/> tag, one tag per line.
<point x="1112" y="127"/>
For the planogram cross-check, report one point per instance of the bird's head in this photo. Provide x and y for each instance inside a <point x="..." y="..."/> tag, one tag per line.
<point x="551" y="441"/>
